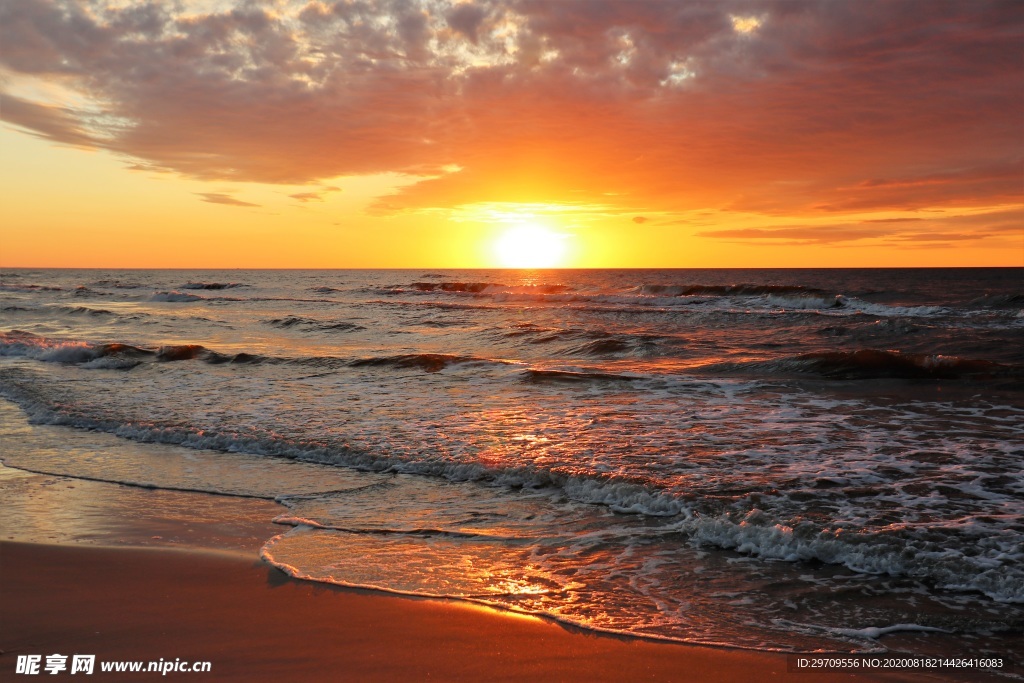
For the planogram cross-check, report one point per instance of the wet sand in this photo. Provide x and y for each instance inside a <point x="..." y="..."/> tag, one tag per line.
<point x="254" y="623"/>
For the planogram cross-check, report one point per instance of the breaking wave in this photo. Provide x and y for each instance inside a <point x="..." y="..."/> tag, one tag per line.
<point x="430" y="362"/>
<point x="175" y="296"/>
<point x="212" y="285"/>
<point x="126" y="356"/>
<point x="113" y="356"/>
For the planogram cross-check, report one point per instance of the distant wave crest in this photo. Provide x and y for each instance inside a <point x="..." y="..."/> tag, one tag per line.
<point x="876" y="364"/>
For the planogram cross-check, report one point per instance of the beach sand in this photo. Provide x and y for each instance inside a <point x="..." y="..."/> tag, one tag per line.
<point x="254" y="623"/>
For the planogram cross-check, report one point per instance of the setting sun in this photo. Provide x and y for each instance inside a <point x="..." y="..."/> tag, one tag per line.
<point x="530" y="246"/>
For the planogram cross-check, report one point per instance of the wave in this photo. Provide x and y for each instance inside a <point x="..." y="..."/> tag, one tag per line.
<point x="119" y="356"/>
<point x="117" y="284"/>
<point x="112" y="356"/>
<point x="243" y="357"/>
<point x="886" y="311"/>
<point x="126" y="356"/>
<point x="618" y="493"/>
<point x="805" y="301"/>
<point x="537" y="375"/>
<point x="1015" y="300"/>
<point x="595" y="342"/>
<point x="602" y="347"/>
<point x="84" y="310"/>
<point x="788" y="297"/>
<point x="49" y="309"/>
<point x="212" y="285"/>
<point x="313" y="324"/>
<point x="277" y="298"/>
<point x="449" y="305"/>
<point x="876" y="364"/>
<point x="878" y="552"/>
<point x="649" y="298"/>
<point x="29" y="288"/>
<point x="82" y="290"/>
<point x="175" y="296"/>
<point x="617" y="345"/>
<point x="182" y="352"/>
<point x="486" y="288"/>
<point x="726" y="290"/>
<point x="430" y="362"/>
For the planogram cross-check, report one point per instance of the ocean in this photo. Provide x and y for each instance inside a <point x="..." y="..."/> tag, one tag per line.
<point x="793" y="460"/>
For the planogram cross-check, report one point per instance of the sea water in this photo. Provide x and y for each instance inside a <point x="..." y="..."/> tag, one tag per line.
<point x="774" y="459"/>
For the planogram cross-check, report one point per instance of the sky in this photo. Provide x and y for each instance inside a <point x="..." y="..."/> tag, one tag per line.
<point x="575" y="133"/>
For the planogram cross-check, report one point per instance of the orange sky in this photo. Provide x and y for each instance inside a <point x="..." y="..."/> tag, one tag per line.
<point x="415" y="134"/>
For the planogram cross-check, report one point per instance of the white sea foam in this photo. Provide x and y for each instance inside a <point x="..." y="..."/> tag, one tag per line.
<point x="875" y="632"/>
<point x="174" y="296"/>
<point x="47" y="350"/>
<point x="991" y="572"/>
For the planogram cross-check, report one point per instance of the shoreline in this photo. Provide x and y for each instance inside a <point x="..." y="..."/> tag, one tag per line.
<point x="138" y="574"/>
<point x="253" y="622"/>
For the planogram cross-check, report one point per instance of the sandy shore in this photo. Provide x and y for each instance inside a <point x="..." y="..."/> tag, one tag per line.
<point x="254" y="623"/>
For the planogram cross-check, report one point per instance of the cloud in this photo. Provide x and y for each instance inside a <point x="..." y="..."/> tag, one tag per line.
<point x="640" y="219"/>
<point x="315" y="195"/>
<point x="938" y="237"/>
<point x="822" y="234"/>
<point x="307" y="196"/>
<point x="949" y="228"/>
<point x="998" y="182"/>
<point x="218" y="198"/>
<point x="466" y="19"/>
<point x="46" y="121"/>
<point x="778" y="107"/>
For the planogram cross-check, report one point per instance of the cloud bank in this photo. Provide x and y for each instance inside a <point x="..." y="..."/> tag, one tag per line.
<point x="777" y="108"/>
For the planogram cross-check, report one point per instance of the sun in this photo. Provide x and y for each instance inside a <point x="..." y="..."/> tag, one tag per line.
<point x="530" y="246"/>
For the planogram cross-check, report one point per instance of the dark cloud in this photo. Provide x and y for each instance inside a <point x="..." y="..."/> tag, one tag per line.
<point x="466" y="20"/>
<point x="219" y="198"/>
<point x="826" y="107"/>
